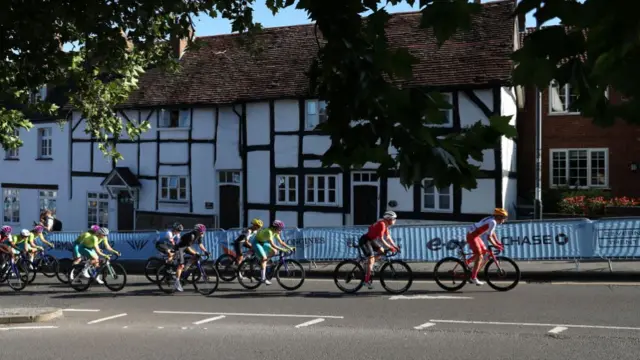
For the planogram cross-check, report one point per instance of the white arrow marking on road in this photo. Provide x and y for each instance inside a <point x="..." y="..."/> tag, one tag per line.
<point x="308" y="323"/>
<point x="536" y="324"/>
<point x="429" y="297"/>
<point x="28" y="328"/>
<point x="209" y="320"/>
<point x="424" y="326"/>
<point x="81" y="310"/>
<point x="557" y="330"/>
<point x="107" y="318"/>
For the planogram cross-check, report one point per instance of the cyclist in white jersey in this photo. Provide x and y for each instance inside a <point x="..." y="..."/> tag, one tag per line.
<point x="167" y="241"/>
<point x="485" y="228"/>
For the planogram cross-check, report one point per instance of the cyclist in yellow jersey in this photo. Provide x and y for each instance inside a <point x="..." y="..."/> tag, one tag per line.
<point x="88" y="245"/>
<point x="37" y="233"/>
<point x="264" y="247"/>
<point x="20" y="243"/>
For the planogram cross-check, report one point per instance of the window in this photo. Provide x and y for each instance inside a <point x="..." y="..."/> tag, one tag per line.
<point x="98" y="209"/>
<point x="448" y="113"/>
<point x="44" y="143"/>
<point x="48" y="200"/>
<point x="229" y="177"/>
<point x="11" y="198"/>
<point x="13" y="153"/>
<point x="322" y="190"/>
<point x="435" y="199"/>
<point x="174" y="118"/>
<point x="316" y="113"/>
<point x="39" y="95"/>
<point x="173" y="188"/>
<point x="287" y="189"/>
<point x="580" y="167"/>
<point x="561" y="98"/>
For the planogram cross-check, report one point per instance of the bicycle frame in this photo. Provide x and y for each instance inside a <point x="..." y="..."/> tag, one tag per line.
<point x="386" y="257"/>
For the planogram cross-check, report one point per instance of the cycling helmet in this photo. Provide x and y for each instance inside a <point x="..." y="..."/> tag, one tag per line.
<point x="278" y="225"/>
<point x="177" y="226"/>
<point x="25" y="232"/>
<point x="38" y="229"/>
<point x="389" y="215"/>
<point x="5" y="230"/>
<point x="103" y="231"/>
<point x="200" y="228"/>
<point x="500" y="212"/>
<point x="95" y="228"/>
<point x="257" y="222"/>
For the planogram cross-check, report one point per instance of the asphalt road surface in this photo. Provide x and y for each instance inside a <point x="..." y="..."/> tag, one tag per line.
<point x="533" y="321"/>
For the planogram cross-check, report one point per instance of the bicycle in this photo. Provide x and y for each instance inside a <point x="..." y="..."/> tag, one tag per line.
<point x="226" y="264"/>
<point x="250" y="267"/>
<point x="389" y="266"/>
<point x="64" y="267"/>
<point x="46" y="264"/>
<point x="14" y="273"/>
<point x="152" y="266"/>
<point x="106" y="269"/>
<point x="462" y="269"/>
<point x="166" y="276"/>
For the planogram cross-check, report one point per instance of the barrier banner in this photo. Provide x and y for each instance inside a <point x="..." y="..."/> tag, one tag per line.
<point x="617" y="238"/>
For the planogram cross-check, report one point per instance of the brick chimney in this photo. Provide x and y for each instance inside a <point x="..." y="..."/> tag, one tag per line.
<point x="179" y="45"/>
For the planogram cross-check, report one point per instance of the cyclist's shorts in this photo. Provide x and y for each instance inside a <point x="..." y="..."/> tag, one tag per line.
<point x="237" y="247"/>
<point x="24" y="246"/>
<point x="262" y="249"/>
<point x="79" y="250"/>
<point x="164" y="247"/>
<point x="476" y="244"/>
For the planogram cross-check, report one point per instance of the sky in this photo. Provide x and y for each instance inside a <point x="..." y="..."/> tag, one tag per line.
<point x="206" y="25"/>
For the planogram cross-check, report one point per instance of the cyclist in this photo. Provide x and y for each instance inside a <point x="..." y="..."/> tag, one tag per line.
<point x="166" y="242"/>
<point x="37" y="233"/>
<point x="243" y="239"/>
<point x="88" y="245"/>
<point x="367" y="242"/>
<point x="24" y="242"/>
<point x="5" y="238"/>
<point x="184" y="244"/>
<point x="484" y="228"/>
<point x="265" y="248"/>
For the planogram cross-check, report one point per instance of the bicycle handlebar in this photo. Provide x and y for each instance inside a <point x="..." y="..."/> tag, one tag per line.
<point x="495" y="250"/>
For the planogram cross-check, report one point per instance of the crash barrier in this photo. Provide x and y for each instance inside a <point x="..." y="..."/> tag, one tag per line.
<point x="567" y="239"/>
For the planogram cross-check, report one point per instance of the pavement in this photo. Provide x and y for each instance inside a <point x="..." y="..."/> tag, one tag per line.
<point x="555" y="320"/>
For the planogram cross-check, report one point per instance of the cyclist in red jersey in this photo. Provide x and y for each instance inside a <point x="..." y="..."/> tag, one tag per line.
<point x="484" y="228"/>
<point x="367" y="242"/>
<point x="5" y="234"/>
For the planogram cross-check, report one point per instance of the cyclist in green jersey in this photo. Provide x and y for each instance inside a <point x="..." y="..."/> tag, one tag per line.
<point x="21" y="243"/>
<point x="264" y="247"/>
<point x="37" y="233"/>
<point x="88" y="245"/>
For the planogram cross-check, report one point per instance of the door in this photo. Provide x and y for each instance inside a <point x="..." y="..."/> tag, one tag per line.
<point x="125" y="211"/>
<point x="229" y="205"/>
<point x="365" y="204"/>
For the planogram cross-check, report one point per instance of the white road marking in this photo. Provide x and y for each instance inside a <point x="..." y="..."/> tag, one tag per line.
<point x="557" y="330"/>
<point x="247" y="314"/>
<point x="309" y="323"/>
<point x="184" y="328"/>
<point x="124" y="327"/>
<point x="81" y="310"/>
<point x="429" y="297"/>
<point x="160" y="327"/>
<point x="209" y="320"/>
<point x="536" y="324"/>
<point x="424" y="326"/>
<point x="27" y="328"/>
<point x="597" y="283"/>
<point x="106" y="318"/>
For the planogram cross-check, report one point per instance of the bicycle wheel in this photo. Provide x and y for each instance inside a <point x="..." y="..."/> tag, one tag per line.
<point x="454" y="279"/>
<point x="353" y="274"/>
<point x="79" y="282"/>
<point x="18" y="279"/>
<point x="48" y="266"/>
<point x="166" y="279"/>
<point x="64" y="266"/>
<point x="207" y="283"/>
<point x="114" y="277"/>
<point x="226" y="267"/>
<point x="29" y="270"/>
<point x="151" y="268"/>
<point x="250" y="270"/>
<point x="290" y="274"/>
<point x="396" y="272"/>
<point x="503" y="275"/>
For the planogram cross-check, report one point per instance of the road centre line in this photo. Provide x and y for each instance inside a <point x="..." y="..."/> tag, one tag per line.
<point x="557" y="330"/>
<point x="247" y="314"/>
<point x="81" y="310"/>
<point x="536" y="324"/>
<point x="27" y="328"/>
<point x="106" y="318"/>
<point x="424" y="326"/>
<point x="209" y="320"/>
<point x="309" y="323"/>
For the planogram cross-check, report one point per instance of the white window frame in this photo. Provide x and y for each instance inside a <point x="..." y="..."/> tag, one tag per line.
<point x="38" y="95"/>
<point x="45" y="198"/>
<point x="326" y="189"/>
<point x="566" y="89"/>
<point x="312" y="113"/>
<point x="448" y="112"/>
<point x="287" y="189"/>
<point x="13" y="154"/>
<point x="177" y="187"/>
<point x="590" y="151"/>
<point x="45" y="143"/>
<point x="98" y="198"/>
<point x="184" y="119"/>
<point x="14" y="193"/>
<point x="436" y="198"/>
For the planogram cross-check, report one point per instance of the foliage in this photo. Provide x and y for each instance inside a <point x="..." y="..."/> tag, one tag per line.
<point x="585" y="205"/>
<point x="355" y="72"/>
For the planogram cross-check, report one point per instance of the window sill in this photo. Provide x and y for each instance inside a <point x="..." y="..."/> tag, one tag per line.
<point x="174" y="129"/>
<point x="44" y="159"/>
<point x="563" y="114"/>
<point x="570" y="188"/>
<point x="286" y="203"/>
<point x="12" y="159"/>
<point x="320" y="204"/>
<point x="173" y="202"/>
<point x="440" y="211"/>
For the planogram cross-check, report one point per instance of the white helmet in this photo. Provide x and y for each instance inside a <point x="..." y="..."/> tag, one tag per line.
<point x="25" y="232"/>
<point x="389" y="215"/>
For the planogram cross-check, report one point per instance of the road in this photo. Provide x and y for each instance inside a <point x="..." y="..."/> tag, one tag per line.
<point x="534" y="321"/>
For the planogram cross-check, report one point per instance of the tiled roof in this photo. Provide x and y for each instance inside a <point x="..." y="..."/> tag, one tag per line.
<point x="222" y="71"/>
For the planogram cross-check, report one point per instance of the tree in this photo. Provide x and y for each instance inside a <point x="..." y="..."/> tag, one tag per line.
<point x="356" y="72"/>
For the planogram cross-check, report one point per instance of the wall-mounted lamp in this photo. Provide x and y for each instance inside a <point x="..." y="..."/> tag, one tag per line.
<point x="393" y="203"/>
<point x="633" y="166"/>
